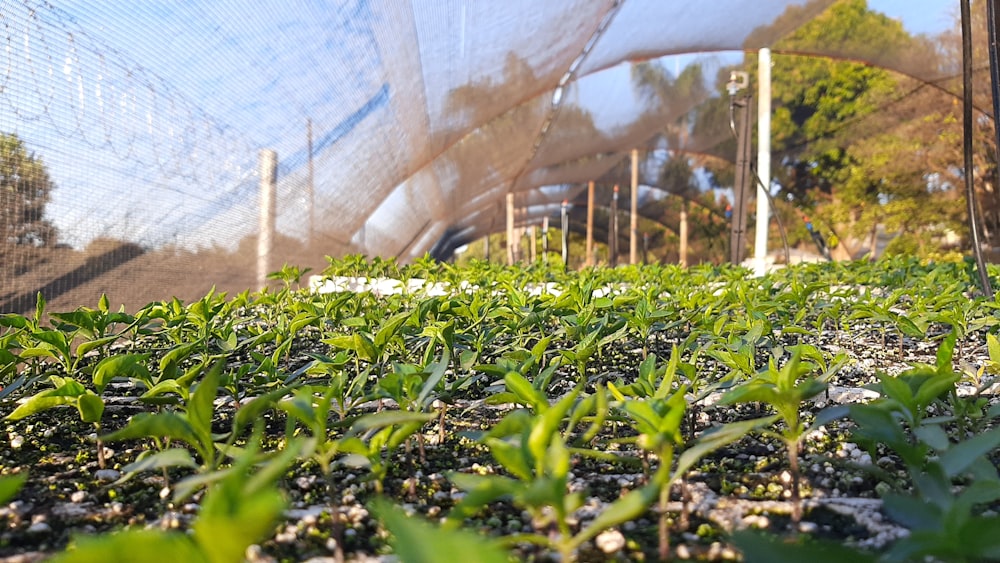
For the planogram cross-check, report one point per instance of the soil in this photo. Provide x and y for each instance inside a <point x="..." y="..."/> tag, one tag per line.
<point x="741" y="485"/>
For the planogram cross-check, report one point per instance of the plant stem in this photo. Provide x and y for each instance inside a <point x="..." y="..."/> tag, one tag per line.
<point x="101" y="463"/>
<point x="441" y="434"/>
<point x="337" y="523"/>
<point x="100" y="454"/>
<point x="664" y="529"/>
<point x="685" y="519"/>
<point x="793" y="468"/>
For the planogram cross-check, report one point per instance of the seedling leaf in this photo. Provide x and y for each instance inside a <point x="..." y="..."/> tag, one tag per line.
<point x="416" y="541"/>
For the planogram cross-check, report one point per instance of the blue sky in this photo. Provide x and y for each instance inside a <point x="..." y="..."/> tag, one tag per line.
<point x="919" y="16"/>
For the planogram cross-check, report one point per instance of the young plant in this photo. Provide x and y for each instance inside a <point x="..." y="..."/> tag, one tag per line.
<point x="949" y="481"/>
<point x="192" y="426"/>
<point x="373" y="438"/>
<point x="417" y="541"/>
<point x="657" y="412"/>
<point x="239" y="510"/>
<point x="782" y="390"/>
<point x="415" y="389"/>
<point x="66" y="392"/>
<point x="532" y="449"/>
<point x="346" y="391"/>
<point x="643" y="316"/>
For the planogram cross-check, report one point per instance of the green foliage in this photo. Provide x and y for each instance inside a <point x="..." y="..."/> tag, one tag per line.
<point x="207" y="371"/>
<point x="373" y="438"/>
<point x="25" y="190"/>
<point x="416" y="541"/>
<point x="761" y="548"/>
<point x="10" y="485"/>
<point x="237" y="511"/>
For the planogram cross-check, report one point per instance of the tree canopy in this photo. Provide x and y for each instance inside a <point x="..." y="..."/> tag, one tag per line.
<point x="25" y="190"/>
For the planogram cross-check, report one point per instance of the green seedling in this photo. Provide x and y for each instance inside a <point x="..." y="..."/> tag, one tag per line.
<point x="346" y="391"/>
<point x="415" y="389"/>
<point x="643" y="316"/>
<point x="949" y="480"/>
<point x="192" y="426"/>
<point x="530" y="364"/>
<point x="289" y="275"/>
<point x="239" y="510"/>
<point x="782" y="390"/>
<point x="532" y="449"/>
<point x="374" y="347"/>
<point x="10" y="485"/>
<point x="886" y="313"/>
<point x="417" y="541"/>
<point x="66" y="392"/>
<point x="373" y="438"/>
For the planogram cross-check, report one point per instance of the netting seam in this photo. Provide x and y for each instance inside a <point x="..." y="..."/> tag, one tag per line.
<point x="557" y="97"/>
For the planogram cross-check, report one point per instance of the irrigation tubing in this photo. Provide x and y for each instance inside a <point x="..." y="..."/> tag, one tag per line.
<point x="777" y="216"/>
<point x="970" y="194"/>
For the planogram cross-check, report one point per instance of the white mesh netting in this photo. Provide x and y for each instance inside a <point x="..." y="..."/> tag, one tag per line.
<point x="400" y="126"/>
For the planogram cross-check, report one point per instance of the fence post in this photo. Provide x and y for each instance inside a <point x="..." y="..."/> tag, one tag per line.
<point x="613" y="230"/>
<point x="268" y="163"/>
<point x="683" y="250"/>
<point x="589" y="260"/>
<point x="532" y="240"/>
<point x="633" y="236"/>
<point x="545" y="237"/>
<point x="564" y="223"/>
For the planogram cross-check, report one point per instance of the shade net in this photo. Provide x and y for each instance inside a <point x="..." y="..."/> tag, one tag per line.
<point x="133" y="131"/>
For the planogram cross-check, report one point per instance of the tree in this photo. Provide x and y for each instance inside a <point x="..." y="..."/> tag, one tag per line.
<point x="818" y="97"/>
<point x="25" y="189"/>
<point x="857" y="146"/>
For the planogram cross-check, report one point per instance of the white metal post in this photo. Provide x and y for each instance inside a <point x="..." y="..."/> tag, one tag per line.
<point x="763" y="155"/>
<point x="564" y="224"/>
<point x="268" y="162"/>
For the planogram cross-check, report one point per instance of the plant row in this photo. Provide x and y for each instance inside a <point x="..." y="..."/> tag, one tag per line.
<point x="613" y="369"/>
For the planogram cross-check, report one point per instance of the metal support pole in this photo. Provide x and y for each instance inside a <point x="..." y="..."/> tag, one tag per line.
<point x="683" y="250"/>
<point x="613" y="230"/>
<point x="545" y="237"/>
<point x="763" y="155"/>
<point x="564" y="217"/>
<point x="743" y="182"/>
<point x="268" y="170"/>
<point x="589" y="260"/>
<point x="633" y="236"/>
